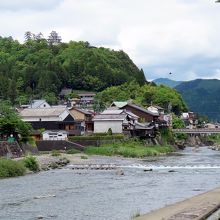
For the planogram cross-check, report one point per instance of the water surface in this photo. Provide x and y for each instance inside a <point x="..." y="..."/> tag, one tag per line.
<point x="68" y="194"/>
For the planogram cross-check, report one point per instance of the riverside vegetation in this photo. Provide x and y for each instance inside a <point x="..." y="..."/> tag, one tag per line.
<point x="131" y="148"/>
<point x="12" y="168"/>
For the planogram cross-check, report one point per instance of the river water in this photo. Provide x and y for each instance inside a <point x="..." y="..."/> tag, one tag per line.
<point x="68" y="194"/>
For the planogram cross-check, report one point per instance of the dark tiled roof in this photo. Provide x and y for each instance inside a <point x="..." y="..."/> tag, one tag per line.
<point x="143" y="109"/>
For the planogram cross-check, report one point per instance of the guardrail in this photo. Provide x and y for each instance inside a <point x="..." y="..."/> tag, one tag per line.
<point x="197" y="131"/>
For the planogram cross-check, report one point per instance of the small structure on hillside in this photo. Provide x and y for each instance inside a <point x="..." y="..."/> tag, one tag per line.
<point x="37" y="103"/>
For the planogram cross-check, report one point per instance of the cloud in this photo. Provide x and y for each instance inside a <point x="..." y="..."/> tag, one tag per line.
<point x="160" y="36"/>
<point x="21" y="5"/>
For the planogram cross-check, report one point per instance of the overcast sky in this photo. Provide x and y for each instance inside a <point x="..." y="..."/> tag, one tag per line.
<point x="160" y="36"/>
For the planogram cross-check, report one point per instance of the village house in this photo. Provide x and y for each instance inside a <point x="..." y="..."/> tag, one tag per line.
<point x="122" y="121"/>
<point x="86" y="99"/>
<point x="83" y="116"/>
<point x="189" y="119"/>
<point x="143" y="114"/>
<point x="55" y="135"/>
<point x="39" y="103"/>
<point x="118" y="121"/>
<point x="52" y="119"/>
<point x="164" y="120"/>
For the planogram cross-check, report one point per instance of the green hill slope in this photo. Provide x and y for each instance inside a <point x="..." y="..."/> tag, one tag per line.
<point x="202" y="96"/>
<point x="38" y="68"/>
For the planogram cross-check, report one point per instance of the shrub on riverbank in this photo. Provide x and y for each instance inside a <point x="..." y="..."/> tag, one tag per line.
<point x="31" y="163"/>
<point x="73" y="151"/>
<point x="129" y="149"/>
<point x="11" y="168"/>
<point x="55" y="153"/>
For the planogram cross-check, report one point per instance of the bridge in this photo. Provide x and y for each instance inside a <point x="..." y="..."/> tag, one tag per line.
<point x="197" y="131"/>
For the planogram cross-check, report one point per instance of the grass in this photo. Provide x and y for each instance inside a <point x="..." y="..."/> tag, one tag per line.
<point x="129" y="149"/>
<point x="55" y="153"/>
<point x="98" y="137"/>
<point x="73" y="151"/>
<point x="31" y="163"/>
<point x="11" y="168"/>
<point x="84" y="157"/>
<point x="215" y="138"/>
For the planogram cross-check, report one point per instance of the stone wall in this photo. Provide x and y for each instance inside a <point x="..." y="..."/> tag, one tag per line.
<point x="57" y="145"/>
<point x="11" y="149"/>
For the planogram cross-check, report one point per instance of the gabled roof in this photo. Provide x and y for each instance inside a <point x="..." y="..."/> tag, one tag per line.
<point x="65" y="91"/>
<point x="82" y="111"/>
<point x="119" y="104"/>
<point x="86" y="94"/>
<point x="112" y="111"/>
<point x="37" y="103"/>
<point x="42" y="112"/>
<point x="116" y="111"/>
<point x="143" y="109"/>
<point x="112" y="117"/>
<point x="141" y="126"/>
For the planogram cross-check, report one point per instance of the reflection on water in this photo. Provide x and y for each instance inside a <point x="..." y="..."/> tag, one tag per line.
<point x="98" y="195"/>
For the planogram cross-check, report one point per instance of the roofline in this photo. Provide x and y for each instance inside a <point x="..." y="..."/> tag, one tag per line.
<point x="141" y="109"/>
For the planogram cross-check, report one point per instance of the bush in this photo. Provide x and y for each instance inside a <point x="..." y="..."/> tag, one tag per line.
<point x="55" y="153"/>
<point x="11" y="168"/>
<point x="72" y="151"/>
<point x="31" y="163"/>
<point x="84" y="157"/>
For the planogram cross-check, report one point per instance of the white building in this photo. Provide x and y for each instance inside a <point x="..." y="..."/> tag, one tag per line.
<point x="54" y="135"/>
<point x="114" y="119"/>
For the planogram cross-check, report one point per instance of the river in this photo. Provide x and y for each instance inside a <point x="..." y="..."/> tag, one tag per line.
<point x="67" y="194"/>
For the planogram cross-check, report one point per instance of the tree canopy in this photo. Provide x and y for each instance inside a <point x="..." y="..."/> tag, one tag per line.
<point x="144" y="95"/>
<point x="42" y="67"/>
<point x="11" y="123"/>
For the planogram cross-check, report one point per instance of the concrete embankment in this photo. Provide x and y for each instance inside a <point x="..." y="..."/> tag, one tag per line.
<point x="196" y="208"/>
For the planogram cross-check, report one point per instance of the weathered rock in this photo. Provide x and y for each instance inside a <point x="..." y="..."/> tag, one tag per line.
<point x="172" y="171"/>
<point x="120" y="172"/>
<point x="147" y="170"/>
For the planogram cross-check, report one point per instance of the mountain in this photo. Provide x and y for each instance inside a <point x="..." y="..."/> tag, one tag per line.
<point x="202" y="96"/>
<point x="167" y="82"/>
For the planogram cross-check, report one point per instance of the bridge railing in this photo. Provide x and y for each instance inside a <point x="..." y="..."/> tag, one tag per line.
<point x="197" y="130"/>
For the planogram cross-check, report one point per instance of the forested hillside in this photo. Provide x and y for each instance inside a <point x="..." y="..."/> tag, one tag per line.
<point x="202" y="96"/>
<point x="167" y="82"/>
<point x="39" y="68"/>
<point x="145" y="95"/>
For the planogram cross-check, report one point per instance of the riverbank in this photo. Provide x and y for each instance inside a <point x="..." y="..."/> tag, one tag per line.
<point x="199" y="207"/>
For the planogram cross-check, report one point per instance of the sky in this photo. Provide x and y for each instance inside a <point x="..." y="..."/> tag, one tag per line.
<point x="177" y="36"/>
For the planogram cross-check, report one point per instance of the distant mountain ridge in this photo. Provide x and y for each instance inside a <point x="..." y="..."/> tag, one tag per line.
<point x="202" y="96"/>
<point x="167" y="82"/>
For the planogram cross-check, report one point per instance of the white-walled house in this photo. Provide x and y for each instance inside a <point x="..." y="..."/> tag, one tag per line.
<point x="54" y="135"/>
<point x="114" y="119"/>
<point x="102" y="123"/>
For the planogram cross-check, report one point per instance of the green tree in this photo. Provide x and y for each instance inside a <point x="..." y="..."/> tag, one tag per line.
<point x="11" y="123"/>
